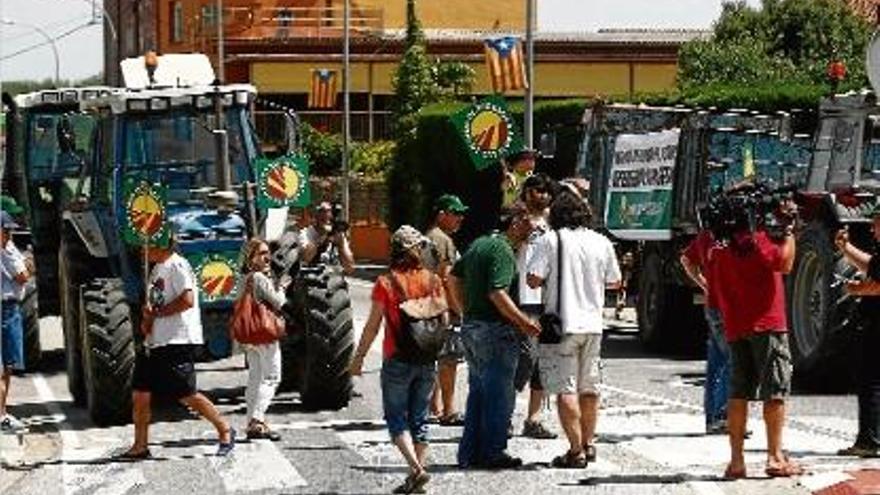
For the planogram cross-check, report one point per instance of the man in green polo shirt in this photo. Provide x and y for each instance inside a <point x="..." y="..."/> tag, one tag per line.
<point x="481" y="279"/>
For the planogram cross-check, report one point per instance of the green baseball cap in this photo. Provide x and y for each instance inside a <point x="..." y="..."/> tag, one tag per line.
<point x="9" y="205"/>
<point x="450" y="203"/>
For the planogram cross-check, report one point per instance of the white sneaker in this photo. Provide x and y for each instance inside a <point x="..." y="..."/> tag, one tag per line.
<point x="11" y="424"/>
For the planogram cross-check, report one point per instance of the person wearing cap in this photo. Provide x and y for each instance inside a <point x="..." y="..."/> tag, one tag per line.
<point x="407" y="376"/>
<point x="519" y="166"/>
<point x="9" y="205"/>
<point x="490" y="335"/>
<point x="327" y="237"/>
<point x="15" y="272"/>
<point x="449" y="212"/>
<point x="867" y="442"/>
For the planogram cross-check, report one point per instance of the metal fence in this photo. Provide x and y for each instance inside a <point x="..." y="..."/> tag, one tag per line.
<point x="365" y="126"/>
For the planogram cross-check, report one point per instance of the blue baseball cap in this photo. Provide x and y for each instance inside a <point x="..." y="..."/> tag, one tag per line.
<point x="6" y="221"/>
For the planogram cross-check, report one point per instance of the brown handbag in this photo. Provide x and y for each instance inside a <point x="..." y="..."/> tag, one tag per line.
<point x="253" y="322"/>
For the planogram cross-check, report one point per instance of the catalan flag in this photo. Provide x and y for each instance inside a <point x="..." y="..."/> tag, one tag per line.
<point x="323" y="89"/>
<point x="507" y="68"/>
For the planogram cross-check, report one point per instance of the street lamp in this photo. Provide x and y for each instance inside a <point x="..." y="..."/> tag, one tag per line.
<point x="49" y="39"/>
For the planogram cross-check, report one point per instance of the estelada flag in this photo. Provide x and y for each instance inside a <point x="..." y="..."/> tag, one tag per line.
<point x="144" y="219"/>
<point x="283" y="182"/>
<point x="218" y="275"/>
<point x="322" y="92"/>
<point x="505" y="61"/>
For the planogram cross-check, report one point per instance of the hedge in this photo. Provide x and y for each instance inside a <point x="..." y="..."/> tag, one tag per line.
<point x="436" y="162"/>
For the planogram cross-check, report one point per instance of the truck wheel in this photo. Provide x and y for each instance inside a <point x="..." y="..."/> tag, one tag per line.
<point x="822" y="317"/>
<point x="108" y="351"/>
<point x="667" y="316"/>
<point x="31" y="322"/>
<point x="329" y="339"/>
<point x="71" y="259"/>
<point x="285" y="261"/>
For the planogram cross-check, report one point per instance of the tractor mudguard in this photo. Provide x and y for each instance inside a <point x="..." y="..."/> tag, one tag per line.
<point x="87" y="228"/>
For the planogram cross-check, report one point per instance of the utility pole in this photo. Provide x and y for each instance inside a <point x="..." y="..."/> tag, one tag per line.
<point x="221" y="69"/>
<point x="530" y="74"/>
<point x="346" y="103"/>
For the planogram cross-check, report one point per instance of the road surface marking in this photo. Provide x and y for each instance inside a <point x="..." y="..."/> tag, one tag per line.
<point x="78" y="473"/>
<point x="257" y="466"/>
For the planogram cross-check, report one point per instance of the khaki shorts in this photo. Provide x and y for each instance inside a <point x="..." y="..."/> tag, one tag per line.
<point x="761" y="367"/>
<point x="572" y="366"/>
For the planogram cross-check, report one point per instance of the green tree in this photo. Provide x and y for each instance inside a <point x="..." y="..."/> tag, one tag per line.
<point x="413" y="83"/>
<point x="785" y="42"/>
<point x="454" y="79"/>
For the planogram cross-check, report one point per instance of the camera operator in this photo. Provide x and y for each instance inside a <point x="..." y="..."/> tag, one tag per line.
<point x="747" y="273"/>
<point x="867" y="443"/>
<point x="327" y="236"/>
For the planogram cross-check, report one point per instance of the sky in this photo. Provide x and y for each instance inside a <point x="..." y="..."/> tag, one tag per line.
<point x="80" y="52"/>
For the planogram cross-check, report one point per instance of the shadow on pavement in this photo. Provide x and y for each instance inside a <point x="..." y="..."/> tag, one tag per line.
<point x="642" y="479"/>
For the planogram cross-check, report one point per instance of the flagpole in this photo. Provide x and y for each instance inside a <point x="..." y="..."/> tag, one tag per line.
<point x="530" y="73"/>
<point x="221" y="64"/>
<point x="346" y="103"/>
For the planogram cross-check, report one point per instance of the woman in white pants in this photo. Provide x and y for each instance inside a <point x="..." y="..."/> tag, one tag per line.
<point x="264" y="359"/>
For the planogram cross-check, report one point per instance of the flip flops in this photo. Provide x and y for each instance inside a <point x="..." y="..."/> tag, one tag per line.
<point x="134" y="456"/>
<point x="731" y="474"/>
<point x="786" y="470"/>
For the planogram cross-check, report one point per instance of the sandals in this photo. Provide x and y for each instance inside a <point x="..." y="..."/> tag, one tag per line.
<point x="590" y="452"/>
<point x="414" y="483"/>
<point x="570" y="460"/>
<point x="731" y="474"/>
<point x="786" y="470"/>
<point x="454" y="419"/>
<point x="129" y="455"/>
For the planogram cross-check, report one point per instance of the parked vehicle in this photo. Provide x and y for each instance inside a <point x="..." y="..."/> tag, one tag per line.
<point x="651" y="170"/>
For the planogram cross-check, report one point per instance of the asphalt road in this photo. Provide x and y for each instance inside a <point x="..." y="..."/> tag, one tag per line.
<point x="650" y="438"/>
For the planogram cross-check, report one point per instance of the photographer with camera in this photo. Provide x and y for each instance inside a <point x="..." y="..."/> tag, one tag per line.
<point x="327" y="238"/>
<point x="867" y="443"/>
<point x="747" y="272"/>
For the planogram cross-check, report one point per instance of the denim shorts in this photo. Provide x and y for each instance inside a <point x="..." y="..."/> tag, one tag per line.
<point x="12" y="325"/>
<point x="406" y="393"/>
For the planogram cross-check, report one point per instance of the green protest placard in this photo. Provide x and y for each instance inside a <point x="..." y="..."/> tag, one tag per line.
<point x="218" y="275"/>
<point x="144" y="219"/>
<point x="638" y="206"/>
<point x="488" y="130"/>
<point x="283" y="182"/>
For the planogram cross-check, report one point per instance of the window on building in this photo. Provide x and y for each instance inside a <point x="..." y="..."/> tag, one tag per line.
<point x="176" y="22"/>
<point x="209" y="16"/>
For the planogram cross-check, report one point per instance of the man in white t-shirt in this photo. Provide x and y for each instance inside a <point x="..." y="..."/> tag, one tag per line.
<point x="325" y="241"/>
<point x="172" y="326"/>
<point x="570" y="369"/>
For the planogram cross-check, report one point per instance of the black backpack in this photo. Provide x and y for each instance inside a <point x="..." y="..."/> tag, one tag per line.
<point x="424" y="324"/>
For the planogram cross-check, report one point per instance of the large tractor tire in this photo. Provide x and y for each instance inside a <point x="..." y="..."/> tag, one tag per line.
<point x="108" y="353"/>
<point x="667" y="316"/>
<point x="72" y="258"/>
<point x="30" y="315"/>
<point x="822" y="317"/>
<point x="329" y="339"/>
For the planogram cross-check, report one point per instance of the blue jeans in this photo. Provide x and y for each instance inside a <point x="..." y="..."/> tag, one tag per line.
<point x="12" y="333"/>
<point x="492" y="353"/>
<point x="406" y="392"/>
<point x="717" y="369"/>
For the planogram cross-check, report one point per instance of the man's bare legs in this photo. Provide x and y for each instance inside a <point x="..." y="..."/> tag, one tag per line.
<point x="570" y="419"/>
<point x="141" y="415"/>
<point x="4" y="389"/>
<point x="446" y="371"/>
<point x="200" y="404"/>
<point x="536" y="400"/>
<point x="737" y="415"/>
<point x="774" y="419"/>
<point x="589" y="404"/>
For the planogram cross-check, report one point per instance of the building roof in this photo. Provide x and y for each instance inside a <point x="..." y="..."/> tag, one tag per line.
<point x="614" y="36"/>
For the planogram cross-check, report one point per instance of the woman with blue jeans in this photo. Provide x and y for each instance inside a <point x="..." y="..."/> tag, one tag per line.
<point x="407" y="378"/>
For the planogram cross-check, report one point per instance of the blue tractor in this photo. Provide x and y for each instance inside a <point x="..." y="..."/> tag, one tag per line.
<point x="197" y="144"/>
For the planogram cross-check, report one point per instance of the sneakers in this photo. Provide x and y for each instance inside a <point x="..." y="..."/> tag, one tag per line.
<point x="11" y="424"/>
<point x="225" y="448"/>
<point x="535" y="429"/>
<point x="505" y="461"/>
<point x="414" y="483"/>
<point x="860" y="451"/>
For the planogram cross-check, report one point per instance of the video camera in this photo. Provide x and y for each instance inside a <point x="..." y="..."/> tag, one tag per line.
<point x="748" y="208"/>
<point x="339" y="223"/>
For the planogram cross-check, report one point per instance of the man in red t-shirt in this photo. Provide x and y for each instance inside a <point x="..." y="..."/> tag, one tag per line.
<point x="746" y="276"/>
